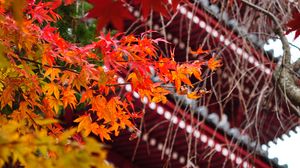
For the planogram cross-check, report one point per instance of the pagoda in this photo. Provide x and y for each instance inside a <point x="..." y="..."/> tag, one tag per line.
<point x="227" y="127"/>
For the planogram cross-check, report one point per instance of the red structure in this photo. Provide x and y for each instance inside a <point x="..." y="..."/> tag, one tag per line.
<point x="185" y="133"/>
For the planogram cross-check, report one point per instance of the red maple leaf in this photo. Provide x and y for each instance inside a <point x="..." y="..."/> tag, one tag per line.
<point x="155" y="5"/>
<point x="57" y="3"/>
<point x="69" y="2"/>
<point x="294" y="24"/>
<point x="109" y="11"/>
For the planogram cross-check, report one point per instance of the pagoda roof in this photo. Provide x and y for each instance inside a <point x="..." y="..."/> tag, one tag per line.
<point x="171" y="135"/>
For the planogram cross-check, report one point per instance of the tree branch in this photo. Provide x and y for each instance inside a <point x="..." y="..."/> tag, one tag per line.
<point x="282" y="73"/>
<point x="58" y="67"/>
<point x="278" y="30"/>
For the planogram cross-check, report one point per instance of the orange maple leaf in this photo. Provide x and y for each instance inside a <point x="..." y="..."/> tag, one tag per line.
<point x="85" y="123"/>
<point x="159" y="95"/>
<point x="194" y="95"/>
<point x="69" y="98"/>
<point x="51" y="88"/>
<point x="199" y="51"/>
<point x="214" y="63"/>
<point x="7" y="96"/>
<point x="53" y="73"/>
<point x="102" y="132"/>
<point x="88" y="94"/>
<point x="54" y="103"/>
<point x="134" y="79"/>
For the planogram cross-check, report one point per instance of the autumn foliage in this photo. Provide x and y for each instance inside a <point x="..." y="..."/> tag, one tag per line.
<point x="43" y="77"/>
<point x="294" y="24"/>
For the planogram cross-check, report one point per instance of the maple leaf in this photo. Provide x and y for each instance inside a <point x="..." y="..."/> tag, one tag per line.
<point x="177" y="80"/>
<point x="69" y="98"/>
<point x="86" y="95"/>
<point x="109" y="11"/>
<point x="214" y="63"/>
<point x="159" y="95"/>
<point x="199" y="51"/>
<point x="193" y="95"/>
<point x="165" y="66"/>
<point x="194" y="69"/>
<point x="115" y="127"/>
<point x="85" y="123"/>
<point x="134" y="79"/>
<point x="80" y="80"/>
<point x="51" y="88"/>
<point x="44" y="11"/>
<point x="111" y="109"/>
<point x="155" y="5"/>
<point x="47" y="58"/>
<point x="69" y="2"/>
<point x="99" y="104"/>
<point x="185" y="79"/>
<point x="54" y="103"/>
<point x="294" y="24"/>
<point x="103" y="132"/>
<point x="53" y="72"/>
<point x="56" y="3"/>
<point x="7" y="96"/>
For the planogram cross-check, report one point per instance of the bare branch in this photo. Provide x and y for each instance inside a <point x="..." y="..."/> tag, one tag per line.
<point x="278" y="30"/>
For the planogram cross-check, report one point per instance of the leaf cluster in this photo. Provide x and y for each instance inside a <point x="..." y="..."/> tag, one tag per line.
<point x="24" y="146"/>
<point x="45" y="77"/>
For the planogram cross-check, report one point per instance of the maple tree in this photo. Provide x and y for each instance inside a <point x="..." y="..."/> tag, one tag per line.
<point x="44" y="77"/>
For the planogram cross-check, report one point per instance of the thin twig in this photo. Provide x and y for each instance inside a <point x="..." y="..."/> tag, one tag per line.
<point x="279" y="31"/>
<point x="55" y="66"/>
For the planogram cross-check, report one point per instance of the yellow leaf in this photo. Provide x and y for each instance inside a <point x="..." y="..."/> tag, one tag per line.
<point x="53" y="72"/>
<point x="51" y="88"/>
<point x="102" y="76"/>
<point x="3" y="60"/>
<point x="158" y="99"/>
<point x="54" y="103"/>
<point x="67" y="133"/>
<point x="46" y="121"/>
<point x="193" y="95"/>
